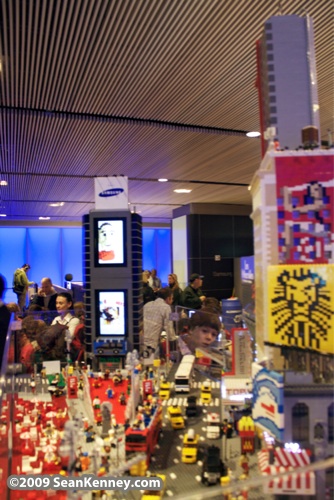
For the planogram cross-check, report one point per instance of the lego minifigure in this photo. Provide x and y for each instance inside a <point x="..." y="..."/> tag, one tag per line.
<point x="244" y="464"/>
<point x="96" y="403"/>
<point x="117" y="378"/>
<point x="122" y="399"/>
<point x="109" y="392"/>
<point x="33" y="383"/>
<point x="90" y="434"/>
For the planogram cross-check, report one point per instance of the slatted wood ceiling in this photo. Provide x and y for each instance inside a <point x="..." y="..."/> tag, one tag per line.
<point x="67" y="65"/>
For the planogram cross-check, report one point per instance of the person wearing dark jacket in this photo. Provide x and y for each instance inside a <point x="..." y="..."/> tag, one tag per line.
<point x="46" y="296"/>
<point x="177" y="292"/>
<point x="192" y="296"/>
<point x="148" y="293"/>
<point x="4" y="318"/>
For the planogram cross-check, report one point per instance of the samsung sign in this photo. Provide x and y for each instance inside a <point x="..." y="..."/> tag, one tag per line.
<point x="111" y="192"/>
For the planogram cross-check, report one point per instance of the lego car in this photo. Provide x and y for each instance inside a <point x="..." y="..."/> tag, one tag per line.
<point x="213" y="427"/>
<point x="138" y="469"/>
<point x="191" y="408"/>
<point x="213" y="468"/>
<point x="155" y="494"/>
<point x="206" y="393"/>
<point x="175" y="417"/>
<point x="164" y="391"/>
<point x="190" y="446"/>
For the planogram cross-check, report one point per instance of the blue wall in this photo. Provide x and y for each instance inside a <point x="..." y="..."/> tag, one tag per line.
<point x="54" y="252"/>
<point x="157" y="252"/>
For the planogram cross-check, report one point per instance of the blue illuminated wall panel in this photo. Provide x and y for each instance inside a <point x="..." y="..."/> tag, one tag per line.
<point x="72" y="252"/>
<point x="157" y="251"/>
<point x="12" y="254"/>
<point x="44" y="254"/>
<point x="56" y="251"/>
<point x="51" y="251"/>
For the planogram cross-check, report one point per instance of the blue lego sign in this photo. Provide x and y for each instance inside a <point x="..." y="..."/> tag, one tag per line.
<point x="268" y="398"/>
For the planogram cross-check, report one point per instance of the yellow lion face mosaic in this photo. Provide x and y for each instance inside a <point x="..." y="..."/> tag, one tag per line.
<point x="301" y="306"/>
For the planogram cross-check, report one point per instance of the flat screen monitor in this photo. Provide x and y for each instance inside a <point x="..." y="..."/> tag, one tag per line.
<point x="111" y="313"/>
<point x="110" y="242"/>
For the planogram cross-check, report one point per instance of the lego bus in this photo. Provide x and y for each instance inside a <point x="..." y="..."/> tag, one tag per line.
<point x="184" y="373"/>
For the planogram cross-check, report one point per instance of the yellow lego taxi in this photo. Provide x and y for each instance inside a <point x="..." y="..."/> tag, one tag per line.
<point x="190" y="445"/>
<point x="155" y="494"/>
<point x="164" y="391"/>
<point x="175" y="416"/>
<point x="206" y="396"/>
<point x="139" y="469"/>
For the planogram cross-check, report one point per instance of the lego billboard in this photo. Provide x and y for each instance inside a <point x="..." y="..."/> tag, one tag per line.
<point x="268" y="398"/>
<point x="305" y="208"/>
<point x="301" y="306"/>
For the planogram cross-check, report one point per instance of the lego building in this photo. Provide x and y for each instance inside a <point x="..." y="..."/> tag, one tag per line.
<point x="287" y="80"/>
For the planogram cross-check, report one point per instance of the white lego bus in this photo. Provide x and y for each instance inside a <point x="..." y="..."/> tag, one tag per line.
<point x="183" y="374"/>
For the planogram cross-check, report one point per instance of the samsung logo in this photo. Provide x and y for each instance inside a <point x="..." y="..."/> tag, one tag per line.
<point x="111" y="192"/>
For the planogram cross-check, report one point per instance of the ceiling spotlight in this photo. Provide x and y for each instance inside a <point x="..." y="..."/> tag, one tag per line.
<point x="253" y="134"/>
<point x="182" y="190"/>
<point x="163" y="180"/>
<point x="249" y="188"/>
<point x="44" y="218"/>
<point x="57" y="204"/>
<point x="3" y="183"/>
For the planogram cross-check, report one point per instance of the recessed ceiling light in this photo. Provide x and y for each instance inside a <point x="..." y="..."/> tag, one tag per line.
<point x="253" y="134"/>
<point x="44" y="218"/>
<point x="182" y="190"/>
<point x="163" y="180"/>
<point x="57" y="204"/>
<point x="3" y="183"/>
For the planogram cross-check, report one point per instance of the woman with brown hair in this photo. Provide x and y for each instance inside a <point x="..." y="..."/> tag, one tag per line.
<point x="177" y="292"/>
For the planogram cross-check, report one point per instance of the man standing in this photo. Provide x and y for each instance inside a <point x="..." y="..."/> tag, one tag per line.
<point x="192" y="296"/>
<point x="46" y="296"/>
<point x="157" y="319"/>
<point x="20" y="284"/>
<point x="154" y="281"/>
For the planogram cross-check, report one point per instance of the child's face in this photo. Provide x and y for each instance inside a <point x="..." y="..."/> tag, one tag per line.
<point x="203" y="336"/>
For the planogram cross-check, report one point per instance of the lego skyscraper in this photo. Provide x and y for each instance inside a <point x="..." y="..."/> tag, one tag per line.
<point x="287" y="82"/>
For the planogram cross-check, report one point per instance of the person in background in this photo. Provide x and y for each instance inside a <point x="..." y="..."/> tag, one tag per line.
<point x="46" y="296"/>
<point x="78" y="345"/>
<point x="157" y="319"/>
<point x="154" y="281"/>
<point x="4" y="317"/>
<point x="212" y="303"/>
<point x="31" y="329"/>
<point x="175" y="287"/>
<point x="64" y="305"/>
<point x="14" y="308"/>
<point x="21" y="284"/>
<point x="192" y="296"/>
<point x="148" y="293"/>
<point x="204" y="328"/>
<point x="26" y="352"/>
<point x="79" y="311"/>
